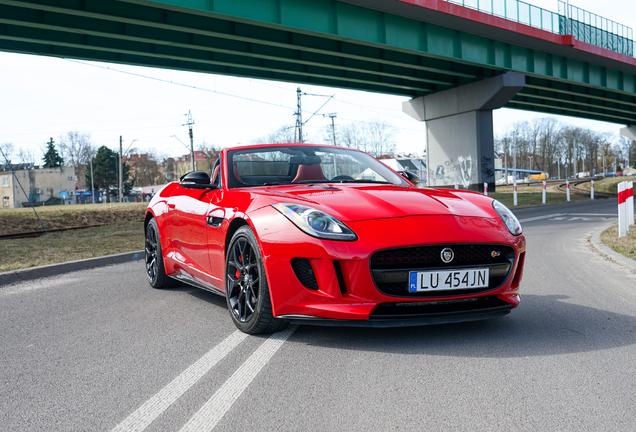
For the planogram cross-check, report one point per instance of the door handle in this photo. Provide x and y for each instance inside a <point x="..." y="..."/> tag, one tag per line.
<point x="171" y="206"/>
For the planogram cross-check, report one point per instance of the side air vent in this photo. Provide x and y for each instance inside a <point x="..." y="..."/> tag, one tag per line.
<point x="340" y="276"/>
<point x="304" y="273"/>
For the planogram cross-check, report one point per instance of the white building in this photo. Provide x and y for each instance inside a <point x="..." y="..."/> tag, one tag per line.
<point x="39" y="184"/>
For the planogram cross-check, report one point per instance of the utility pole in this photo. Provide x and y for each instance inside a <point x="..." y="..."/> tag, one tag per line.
<point x="121" y="171"/>
<point x="190" y="123"/>
<point x="299" y="118"/>
<point x="505" y="141"/>
<point x="92" y="184"/>
<point x="332" y="116"/>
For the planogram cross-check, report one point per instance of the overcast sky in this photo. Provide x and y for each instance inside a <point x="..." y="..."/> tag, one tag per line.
<point x="43" y="97"/>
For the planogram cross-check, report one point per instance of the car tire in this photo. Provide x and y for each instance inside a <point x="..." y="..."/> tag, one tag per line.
<point x="246" y="288"/>
<point x="155" y="271"/>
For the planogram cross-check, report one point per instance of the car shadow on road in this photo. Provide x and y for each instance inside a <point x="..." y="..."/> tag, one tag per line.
<point x="541" y="326"/>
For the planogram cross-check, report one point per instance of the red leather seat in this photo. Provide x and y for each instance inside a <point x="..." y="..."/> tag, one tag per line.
<point x="309" y="172"/>
<point x="236" y="174"/>
<point x="217" y="169"/>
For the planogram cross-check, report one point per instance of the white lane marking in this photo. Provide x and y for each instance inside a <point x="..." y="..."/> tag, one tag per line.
<point x="220" y="403"/>
<point x="594" y="214"/>
<point x="151" y="409"/>
<point x="541" y="217"/>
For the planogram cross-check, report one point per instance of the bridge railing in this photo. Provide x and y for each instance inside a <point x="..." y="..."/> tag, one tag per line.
<point x="596" y="30"/>
<point x="583" y="25"/>
<point x="515" y="10"/>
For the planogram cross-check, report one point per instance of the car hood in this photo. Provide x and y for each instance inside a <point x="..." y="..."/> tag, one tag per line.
<point x="349" y="202"/>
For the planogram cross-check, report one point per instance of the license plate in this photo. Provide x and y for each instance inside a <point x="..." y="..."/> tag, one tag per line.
<point x="448" y="280"/>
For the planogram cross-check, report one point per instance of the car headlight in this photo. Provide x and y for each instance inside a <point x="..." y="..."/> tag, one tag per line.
<point x="315" y="222"/>
<point x="508" y="218"/>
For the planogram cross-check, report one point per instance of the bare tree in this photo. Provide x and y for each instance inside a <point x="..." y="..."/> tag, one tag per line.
<point x="376" y="137"/>
<point x="282" y="135"/>
<point x="381" y="136"/>
<point x="352" y="136"/>
<point x="27" y="156"/>
<point x="77" y="150"/>
<point x="145" y="170"/>
<point x="624" y="146"/>
<point x="7" y="150"/>
<point x="211" y="154"/>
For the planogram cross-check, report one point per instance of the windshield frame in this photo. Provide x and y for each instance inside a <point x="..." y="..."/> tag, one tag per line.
<point x="309" y="150"/>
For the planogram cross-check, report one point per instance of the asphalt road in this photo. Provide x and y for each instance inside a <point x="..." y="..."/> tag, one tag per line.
<point x="101" y="350"/>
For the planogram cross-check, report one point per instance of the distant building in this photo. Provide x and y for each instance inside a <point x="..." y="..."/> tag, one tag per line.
<point x="42" y="185"/>
<point x="204" y="161"/>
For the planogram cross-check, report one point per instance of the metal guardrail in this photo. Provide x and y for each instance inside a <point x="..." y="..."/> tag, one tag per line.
<point x="596" y="30"/>
<point x="583" y="25"/>
<point x="515" y="10"/>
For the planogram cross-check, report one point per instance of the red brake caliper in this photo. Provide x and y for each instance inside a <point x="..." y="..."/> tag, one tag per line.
<point x="237" y="275"/>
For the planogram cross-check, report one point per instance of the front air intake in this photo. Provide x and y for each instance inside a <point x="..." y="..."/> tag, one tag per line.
<point x="304" y="273"/>
<point x="340" y="276"/>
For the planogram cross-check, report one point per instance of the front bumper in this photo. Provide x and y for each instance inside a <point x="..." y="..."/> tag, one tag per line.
<point x="346" y="293"/>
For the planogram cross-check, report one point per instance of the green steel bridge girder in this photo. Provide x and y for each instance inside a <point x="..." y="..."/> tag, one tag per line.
<point x="322" y="42"/>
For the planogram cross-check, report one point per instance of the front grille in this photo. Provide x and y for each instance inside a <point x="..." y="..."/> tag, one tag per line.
<point x="390" y="268"/>
<point x="304" y="273"/>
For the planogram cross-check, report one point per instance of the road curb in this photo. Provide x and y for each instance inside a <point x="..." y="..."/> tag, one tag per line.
<point x="14" y="276"/>
<point x="595" y="240"/>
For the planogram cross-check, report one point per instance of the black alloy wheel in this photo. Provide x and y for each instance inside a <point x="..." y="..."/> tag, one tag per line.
<point x="247" y="292"/>
<point x="155" y="271"/>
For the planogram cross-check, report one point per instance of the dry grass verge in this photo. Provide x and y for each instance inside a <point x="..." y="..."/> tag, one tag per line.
<point x="24" y="220"/>
<point x="71" y="245"/>
<point x="535" y="199"/>
<point x="608" y="184"/>
<point x="625" y="246"/>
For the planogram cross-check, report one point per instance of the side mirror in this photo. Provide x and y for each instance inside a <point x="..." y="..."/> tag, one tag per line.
<point x="410" y="176"/>
<point x="196" y="180"/>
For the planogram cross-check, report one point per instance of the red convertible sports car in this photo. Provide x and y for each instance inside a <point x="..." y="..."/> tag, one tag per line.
<point x="316" y="234"/>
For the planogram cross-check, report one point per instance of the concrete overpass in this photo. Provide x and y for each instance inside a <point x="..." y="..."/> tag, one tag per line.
<point x="456" y="63"/>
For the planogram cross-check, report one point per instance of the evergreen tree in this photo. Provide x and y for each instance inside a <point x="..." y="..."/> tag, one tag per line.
<point x="52" y="158"/>
<point x="106" y="171"/>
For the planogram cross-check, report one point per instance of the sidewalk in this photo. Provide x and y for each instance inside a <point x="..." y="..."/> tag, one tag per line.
<point x="595" y="241"/>
<point x="30" y="273"/>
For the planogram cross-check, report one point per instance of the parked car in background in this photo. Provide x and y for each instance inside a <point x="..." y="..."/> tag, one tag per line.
<point x="537" y="177"/>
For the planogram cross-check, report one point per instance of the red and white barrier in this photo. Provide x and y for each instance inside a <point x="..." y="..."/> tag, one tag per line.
<point x="567" y="187"/>
<point x="592" y="190"/>
<point x="514" y="190"/>
<point x="544" y="191"/>
<point x="629" y="201"/>
<point x="486" y="189"/>
<point x="623" y="225"/>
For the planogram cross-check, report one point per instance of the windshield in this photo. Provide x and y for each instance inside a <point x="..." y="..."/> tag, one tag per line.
<point x="292" y="164"/>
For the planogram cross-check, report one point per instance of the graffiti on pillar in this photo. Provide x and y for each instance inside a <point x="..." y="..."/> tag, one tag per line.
<point x="487" y="168"/>
<point x="465" y="169"/>
<point x="440" y="173"/>
<point x="452" y="172"/>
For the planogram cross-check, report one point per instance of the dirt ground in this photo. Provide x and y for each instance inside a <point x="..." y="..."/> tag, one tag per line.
<point x="24" y="220"/>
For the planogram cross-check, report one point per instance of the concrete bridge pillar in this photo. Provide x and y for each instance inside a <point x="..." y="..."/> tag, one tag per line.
<point x="459" y="130"/>
<point x="629" y="132"/>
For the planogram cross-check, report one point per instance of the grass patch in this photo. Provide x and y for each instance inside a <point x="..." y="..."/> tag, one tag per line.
<point x="71" y="245"/>
<point x="24" y="220"/>
<point x="608" y="184"/>
<point x="535" y="199"/>
<point x="625" y="246"/>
